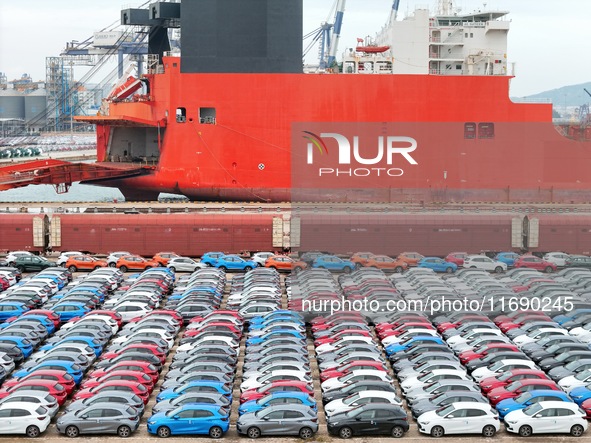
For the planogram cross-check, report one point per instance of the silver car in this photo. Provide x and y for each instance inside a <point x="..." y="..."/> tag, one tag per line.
<point x="102" y="418"/>
<point x="192" y="397"/>
<point x="184" y="264"/>
<point x="288" y="419"/>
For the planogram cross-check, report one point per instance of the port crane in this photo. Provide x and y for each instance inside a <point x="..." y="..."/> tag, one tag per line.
<point x="328" y="35"/>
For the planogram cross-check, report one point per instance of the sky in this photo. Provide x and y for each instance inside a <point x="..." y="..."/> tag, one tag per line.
<point x="548" y="39"/>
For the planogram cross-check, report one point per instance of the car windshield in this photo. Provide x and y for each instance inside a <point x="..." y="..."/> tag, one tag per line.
<point x="514" y="386"/>
<point x="496" y="366"/>
<point x="442" y="412"/>
<point x="264" y="400"/>
<point x="505" y="376"/>
<point x="425" y="376"/>
<point x="533" y="409"/>
<point x="572" y="365"/>
<point x="352" y="399"/>
<point x="432" y="387"/>
<point x="523" y="397"/>
<point x="582" y="376"/>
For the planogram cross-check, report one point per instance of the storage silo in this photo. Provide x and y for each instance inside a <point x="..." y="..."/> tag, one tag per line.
<point x="36" y="108"/>
<point x="12" y="104"/>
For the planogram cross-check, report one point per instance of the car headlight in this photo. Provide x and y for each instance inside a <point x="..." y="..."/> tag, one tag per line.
<point x="511" y="422"/>
<point x="424" y="422"/>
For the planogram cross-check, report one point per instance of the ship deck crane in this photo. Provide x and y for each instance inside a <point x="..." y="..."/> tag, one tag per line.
<point x="328" y="35"/>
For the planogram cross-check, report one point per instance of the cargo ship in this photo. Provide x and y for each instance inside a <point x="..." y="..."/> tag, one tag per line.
<point x="426" y="118"/>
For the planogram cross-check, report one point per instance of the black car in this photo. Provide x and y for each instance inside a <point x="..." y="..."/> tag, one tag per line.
<point x="353" y="388"/>
<point x="578" y="261"/>
<point x="444" y="399"/>
<point x="369" y="420"/>
<point x="31" y="263"/>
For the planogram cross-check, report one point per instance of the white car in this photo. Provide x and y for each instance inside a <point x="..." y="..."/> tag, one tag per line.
<point x="460" y="418"/>
<point x="9" y="277"/>
<point x="395" y="339"/>
<point x="547" y="417"/>
<point x="485" y="263"/>
<point x="64" y="256"/>
<point x="278" y="326"/>
<point x="149" y="332"/>
<point x="261" y="257"/>
<point x="353" y="376"/>
<point x="210" y="340"/>
<point x="482" y="340"/>
<point x="534" y="336"/>
<point x="428" y="366"/>
<point x="558" y="258"/>
<point x="361" y="398"/>
<point x="132" y="309"/>
<point x="11" y="258"/>
<point x="343" y="341"/>
<point x="33" y="397"/>
<point x="23" y="418"/>
<point x="502" y="366"/>
<point x="575" y="381"/>
<point x="466" y="336"/>
<point x="418" y="394"/>
<point x="115" y="256"/>
<point x="283" y="374"/>
<point x="6" y="362"/>
<point x="81" y="348"/>
<point x="184" y="264"/>
<point x="276" y="366"/>
<point x="433" y="376"/>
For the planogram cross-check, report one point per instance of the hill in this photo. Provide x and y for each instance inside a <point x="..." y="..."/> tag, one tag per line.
<point x="573" y="95"/>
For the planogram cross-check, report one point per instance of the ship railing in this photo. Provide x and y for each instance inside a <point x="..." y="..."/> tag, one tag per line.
<point x="530" y="100"/>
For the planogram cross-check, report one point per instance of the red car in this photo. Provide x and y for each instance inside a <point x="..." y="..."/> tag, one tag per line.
<point x="47" y="313"/>
<point x="49" y="386"/>
<point x="402" y="321"/>
<point x="533" y="262"/>
<point x="442" y="327"/>
<point x="404" y="328"/>
<point x="138" y="347"/>
<point x="337" y="317"/>
<point x="133" y="376"/>
<point x="215" y="326"/>
<point x="351" y="366"/>
<point x="115" y="385"/>
<point x="170" y="313"/>
<point x="519" y="387"/>
<point x="456" y="257"/>
<point x="507" y="326"/>
<point x="513" y="316"/>
<point x="506" y="378"/>
<point x="55" y="375"/>
<point x="129" y="365"/>
<point x="586" y="406"/>
<point x="343" y="333"/>
<point x="276" y="386"/>
<point x="483" y="350"/>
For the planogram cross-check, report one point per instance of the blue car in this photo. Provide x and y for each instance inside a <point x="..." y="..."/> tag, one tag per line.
<point x="211" y="258"/>
<point x="281" y="332"/>
<point x="93" y="343"/>
<point x="277" y="398"/>
<point x="333" y="263"/>
<point x="69" y="310"/>
<point x="192" y="418"/>
<point x="507" y="257"/>
<point x="411" y="341"/>
<point x="195" y="386"/>
<point x="529" y="398"/>
<point x="274" y="321"/>
<point x="71" y="368"/>
<point x="39" y="318"/>
<point x="276" y="315"/>
<point x="579" y="395"/>
<point x="437" y="264"/>
<point x="11" y="309"/>
<point x="25" y="345"/>
<point x="235" y="263"/>
<point x="563" y="318"/>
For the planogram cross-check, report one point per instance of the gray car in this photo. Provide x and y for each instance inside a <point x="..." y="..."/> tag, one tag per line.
<point x="102" y="418"/>
<point x="196" y="376"/>
<point x="289" y="419"/>
<point x="223" y="368"/>
<point x="192" y="397"/>
<point x="121" y="398"/>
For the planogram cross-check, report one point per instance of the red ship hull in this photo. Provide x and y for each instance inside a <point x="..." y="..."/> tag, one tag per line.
<point x="246" y="155"/>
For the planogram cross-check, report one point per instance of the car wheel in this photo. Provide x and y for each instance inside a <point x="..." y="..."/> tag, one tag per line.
<point x="124" y="431"/>
<point x="96" y="267"/>
<point x="72" y="431"/>
<point x="163" y="432"/>
<point x="247" y="268"/>
<point x="273" y="267"/>
<point x="472" y="267"/>
<point x="32" y="431"/>
<point x="398" y="269"/>
<point x="489" y="431"/>
<point x="216" y="432"/>
<point x="397" y="431"/>
<point x="449" y="270"/>
<point x="357" y="265"/>
<point x="498" y="269"/>
<point x="20" y="268"/>
<point x="253" y="432"/>
<point x="345" y="433"/>
<point x="577" y="431"/>
<point x="437" y="431"/>
<point x="548" y="269"/>
<point x="223" y="268"/>
<point x="172" y="268"/>
<point x="123" y="269"/>
<point x="112" y="265"/>
<point x="72" y="268"/>
<point x="11" y="264"/>
<point x="525" y="431"/>
<point x="297" y="269"/>
<point x="306" y="433"/>
<point x="347" y="270"/>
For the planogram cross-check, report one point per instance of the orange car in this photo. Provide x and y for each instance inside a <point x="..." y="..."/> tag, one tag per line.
<point x="283" y="263"/>
<point x="135" y="263"/>
<point x="412" y="258"/>
<point x="386" y="263"/>
<point x="84" y="263"/>
<point x="361" y="258"/>
<point x="164" y="257"/>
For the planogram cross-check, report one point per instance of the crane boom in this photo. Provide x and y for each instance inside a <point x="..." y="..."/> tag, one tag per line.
<point x="336" y="31"/>
<point x="394" y="12"/>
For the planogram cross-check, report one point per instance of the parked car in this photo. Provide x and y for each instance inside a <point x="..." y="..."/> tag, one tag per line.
<point x="533" y="262"/>
<point x="287" y="419"/>
<point x="547" y="417"/>
<point x="558" y="258"/>
<point x="485" y="263"/>
<point x="84" y="263"/>
<point x="456" y="257"/>
<point x="191" y="419"/>
<point x="64" y="256"/>
<point x="333" y="263"/>
<point x="437" y="264"/>
<point x="184" y="264"/>
<point x="386" y="263"/>
<point x="235" y="263"/>
<point x="369" y="419"/>
<point x="23" y="418"/>
<point x="508" y="258"/>
<point x="460" y="418"/>
<point x="578" y="261"/>
<point x="114" y="256"/>
<point x="135" y="263"/>
<point x="284" y="263"/>
<point x="411" y="258"/>
<point x="32" y="263"/>
<point x="162" y="258"/>
<point x="101" y="418"/>
<point x="211" y="258"/>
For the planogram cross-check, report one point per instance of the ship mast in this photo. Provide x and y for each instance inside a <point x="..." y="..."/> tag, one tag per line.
<point x="445" y="7"/>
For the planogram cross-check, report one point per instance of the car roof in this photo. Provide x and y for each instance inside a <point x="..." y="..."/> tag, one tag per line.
<point x="20" y="405"/>
<point x="474" y="405"/>
<point x="559" y="404"/>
